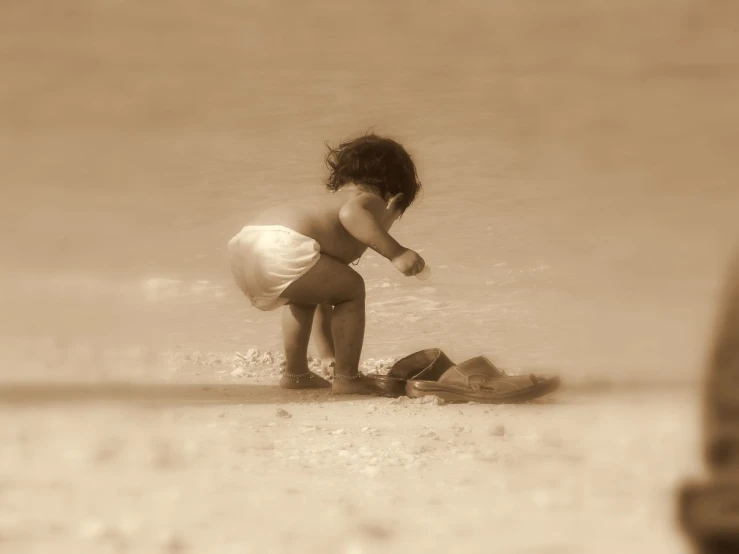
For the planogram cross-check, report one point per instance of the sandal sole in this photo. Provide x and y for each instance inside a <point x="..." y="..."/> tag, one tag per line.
<point x="418" y="389"/>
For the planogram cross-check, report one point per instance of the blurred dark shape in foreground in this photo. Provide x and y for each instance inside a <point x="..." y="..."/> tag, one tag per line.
<point x="709" y="511"/>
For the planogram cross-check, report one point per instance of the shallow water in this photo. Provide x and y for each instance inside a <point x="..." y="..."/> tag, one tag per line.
<point x="580" y="189"/>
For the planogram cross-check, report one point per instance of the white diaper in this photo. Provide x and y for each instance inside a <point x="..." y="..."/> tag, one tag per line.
<point x="266" y="259"/>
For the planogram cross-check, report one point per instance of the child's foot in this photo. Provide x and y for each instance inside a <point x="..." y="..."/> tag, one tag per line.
<point x="307" y="380"/>
<point x="358" y="384"/>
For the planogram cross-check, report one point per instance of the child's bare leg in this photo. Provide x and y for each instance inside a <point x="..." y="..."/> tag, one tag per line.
<point x="331" y="281"/>
<point x="296" y="328"/>
<point x="348" y="331"/>
<point x="322" y="334"/>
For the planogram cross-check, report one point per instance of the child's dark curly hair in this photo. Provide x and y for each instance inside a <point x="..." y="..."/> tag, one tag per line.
<point x="375" y="161"/>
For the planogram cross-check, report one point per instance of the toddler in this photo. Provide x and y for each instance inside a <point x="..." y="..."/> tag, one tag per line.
<point x="297" y="256"/>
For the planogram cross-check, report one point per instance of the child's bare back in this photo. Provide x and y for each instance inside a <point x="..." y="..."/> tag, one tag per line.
<point x="296" y="255"/>
<point x="319" y="217"/>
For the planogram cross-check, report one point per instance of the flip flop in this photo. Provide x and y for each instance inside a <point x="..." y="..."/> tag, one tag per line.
<point x="478" y="380"/>
<point x="394" y="383"/>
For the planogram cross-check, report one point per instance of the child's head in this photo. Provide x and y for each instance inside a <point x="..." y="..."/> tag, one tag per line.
<point x="377" y="162"/>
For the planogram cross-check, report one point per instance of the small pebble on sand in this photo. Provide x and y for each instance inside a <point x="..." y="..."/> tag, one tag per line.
<point x="498" y="431"/>
<point x="172" y="544"/>
<point x="283" y="413"/>
<point x="431" y="399"/>
<point x="250" y="357"/>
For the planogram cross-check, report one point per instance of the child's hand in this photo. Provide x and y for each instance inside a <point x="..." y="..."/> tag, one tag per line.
<point x="408" y="263"/>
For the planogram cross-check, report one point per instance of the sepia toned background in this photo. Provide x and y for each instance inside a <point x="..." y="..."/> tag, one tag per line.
<point x="578" y="160"/>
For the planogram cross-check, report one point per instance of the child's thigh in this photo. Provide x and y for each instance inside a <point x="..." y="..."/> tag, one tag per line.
<point x="329" y="281"/>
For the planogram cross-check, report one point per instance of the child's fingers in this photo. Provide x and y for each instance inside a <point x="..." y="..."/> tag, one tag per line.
<point x="415" y="269"/>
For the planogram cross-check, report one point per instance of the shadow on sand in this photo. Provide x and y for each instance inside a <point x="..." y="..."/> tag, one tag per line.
<point x="159" y="393"/>
<point x="253" y="394"/>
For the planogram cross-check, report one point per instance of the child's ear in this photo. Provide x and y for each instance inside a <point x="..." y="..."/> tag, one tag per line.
<point x="394" y="201"/>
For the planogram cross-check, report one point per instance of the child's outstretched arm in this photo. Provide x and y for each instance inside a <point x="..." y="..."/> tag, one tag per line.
<point x="361" y="216"/>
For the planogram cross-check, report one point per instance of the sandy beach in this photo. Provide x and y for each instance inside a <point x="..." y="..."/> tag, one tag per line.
<point x="241" y="466"/>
